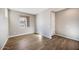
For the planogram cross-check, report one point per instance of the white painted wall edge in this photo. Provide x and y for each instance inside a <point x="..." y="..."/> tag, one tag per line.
<point x="72" y="38"/>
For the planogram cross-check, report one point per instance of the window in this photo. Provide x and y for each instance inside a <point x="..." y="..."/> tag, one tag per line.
<point x="28" y="21"/>
<point x="25" y="21"/>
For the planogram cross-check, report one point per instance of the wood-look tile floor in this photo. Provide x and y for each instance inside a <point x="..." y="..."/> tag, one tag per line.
<point x="37" y="42"/>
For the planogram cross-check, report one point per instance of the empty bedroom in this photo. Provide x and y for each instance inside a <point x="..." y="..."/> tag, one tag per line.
<point x="39" y="28"/>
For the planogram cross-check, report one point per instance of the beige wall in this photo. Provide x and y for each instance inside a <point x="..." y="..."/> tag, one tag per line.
<point x="14" y="26"/>
<point x="67" y="23"/>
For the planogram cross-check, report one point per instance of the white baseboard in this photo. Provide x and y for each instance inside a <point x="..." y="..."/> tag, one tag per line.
<point x="4" y="44"/>
<point x="20" y="34"/>
<point x="46" y="36"/>
<point x="67" y="37"/>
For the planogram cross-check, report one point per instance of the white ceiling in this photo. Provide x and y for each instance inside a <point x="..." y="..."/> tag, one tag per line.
<point x="35" y="10"/>
<point x="57" y="9"/>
